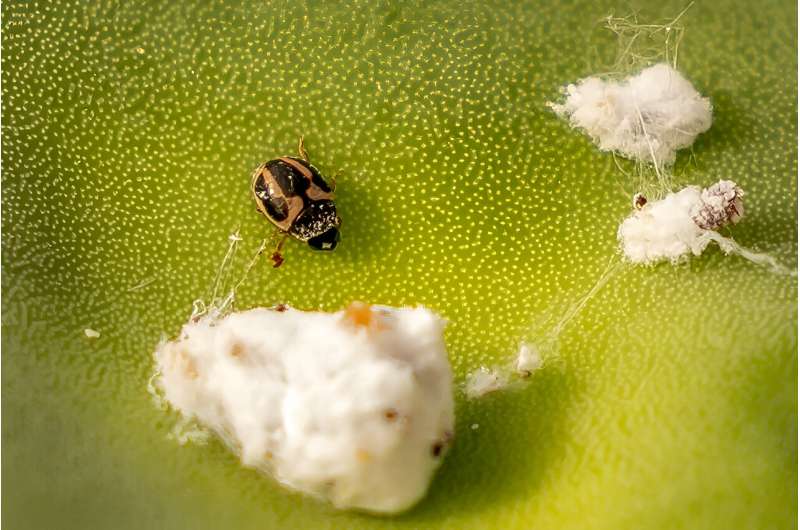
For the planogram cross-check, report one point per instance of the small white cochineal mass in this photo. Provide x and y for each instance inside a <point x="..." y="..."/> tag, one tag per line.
<point x="528" y="359"/>
<point x="681" y="224"/>
<point x="484" y="381"/>
<point x="355" y="406"/>
<point x="645" y="117"/>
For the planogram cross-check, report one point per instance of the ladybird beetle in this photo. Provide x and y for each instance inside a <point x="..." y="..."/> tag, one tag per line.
<point x="293" y="195"/>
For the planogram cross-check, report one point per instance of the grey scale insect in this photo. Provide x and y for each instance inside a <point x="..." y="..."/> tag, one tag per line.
<point x="294" y="196"/>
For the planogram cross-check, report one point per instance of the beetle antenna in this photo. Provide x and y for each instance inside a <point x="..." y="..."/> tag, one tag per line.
<point x="301" y="149"/>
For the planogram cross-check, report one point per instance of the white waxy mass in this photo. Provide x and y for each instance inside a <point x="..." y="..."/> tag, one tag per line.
<point x="355" y="407"/>
<point x="646" y="117"/>
<point x="681" y="224"/>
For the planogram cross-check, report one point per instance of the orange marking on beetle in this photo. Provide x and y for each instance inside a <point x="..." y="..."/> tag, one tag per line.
<point x="298" y="166"/>
<point x="294" y="209"/>
<point x="314" y="192"/>
<point x="294" y="204"/>
<point x="256" y="175"/>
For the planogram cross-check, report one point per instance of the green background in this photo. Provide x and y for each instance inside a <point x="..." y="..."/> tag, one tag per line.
<point x="129" y="133"/>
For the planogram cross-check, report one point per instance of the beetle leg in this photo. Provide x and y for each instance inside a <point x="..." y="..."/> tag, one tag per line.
<point x="301" y="149"/>
<point x="277" y="257"/>
<point x="333" y="181"/>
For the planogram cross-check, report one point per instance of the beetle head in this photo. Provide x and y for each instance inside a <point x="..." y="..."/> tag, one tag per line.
<point x="327" y="240"/>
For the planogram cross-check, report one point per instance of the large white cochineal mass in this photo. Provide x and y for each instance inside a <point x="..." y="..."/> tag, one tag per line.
<point x="354" y="406"/>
